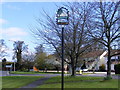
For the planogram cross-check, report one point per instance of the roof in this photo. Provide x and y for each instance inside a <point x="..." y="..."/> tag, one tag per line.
<point x="98" y="53"/>
<point x="117" y="52"/>
<point x="93" y="54"/>
<point x="8" y="62"/>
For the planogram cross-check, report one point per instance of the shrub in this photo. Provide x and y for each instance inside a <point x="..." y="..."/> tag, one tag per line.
<point x="107" y="78"/>
<point x="117" y="68"/>
<point x="102" y="67"/>
<point x="23" y="69"/>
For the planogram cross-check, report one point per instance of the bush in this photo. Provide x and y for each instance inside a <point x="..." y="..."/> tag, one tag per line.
<point x="23" y="69"/>
<point x="102" y="67"/>
<point x="107" y="78"/>
<point x="117" y="68"/>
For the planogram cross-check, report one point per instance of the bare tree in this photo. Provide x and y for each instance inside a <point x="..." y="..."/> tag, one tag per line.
<point x="3" y="49"/>
<point x="104" y="26"/>
<point x="28" y="60"/>
<point x="39" y="49"/>
<point x="76" y="38"/>
<point x="19" y="47"/>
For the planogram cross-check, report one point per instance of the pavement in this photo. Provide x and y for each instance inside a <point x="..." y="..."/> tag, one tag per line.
<point x="4" y="73"/>
<point x="36" y="83"/>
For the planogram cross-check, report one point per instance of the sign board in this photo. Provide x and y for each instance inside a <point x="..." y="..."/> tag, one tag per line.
<point x="62" y="16"/>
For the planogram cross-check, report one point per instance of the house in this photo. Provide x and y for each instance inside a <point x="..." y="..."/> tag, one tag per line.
<point x="115" y="59"/>
<point x="6" y="65"/>
<point x="94" y="59"/>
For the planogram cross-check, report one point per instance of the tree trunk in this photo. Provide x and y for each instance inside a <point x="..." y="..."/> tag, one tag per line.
<point x="73" y="71"/>
<point x="109" y="63"/>
<point x="70" y="69"/>
<point x="73" y="68"/>
<point x="109" y="57"/>
<point x="19" y="60"/>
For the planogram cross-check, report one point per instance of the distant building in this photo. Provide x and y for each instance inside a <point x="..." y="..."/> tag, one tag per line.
<point x="94" y="59"/>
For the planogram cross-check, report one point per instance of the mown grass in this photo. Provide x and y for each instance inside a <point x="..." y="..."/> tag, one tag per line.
<point x="0" y="82"/>
<point x="72" y="79"/>
<point x="18" y="81"/>
<point x="80" y="82"/>
<point x="41" y="72"/>
<point x="34" y="72"/>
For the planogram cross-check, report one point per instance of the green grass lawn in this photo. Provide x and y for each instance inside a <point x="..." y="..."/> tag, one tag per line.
<point x="0" y="82"/>
<point x="18" y="81"/>
<point x="41" y="72"/>
<point x="80" y="82"/>
<point x="33" y="72"/>
<point x="72" y="79"/>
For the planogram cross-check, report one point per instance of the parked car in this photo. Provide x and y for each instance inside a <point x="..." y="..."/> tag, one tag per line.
<point x="83" y="70"/>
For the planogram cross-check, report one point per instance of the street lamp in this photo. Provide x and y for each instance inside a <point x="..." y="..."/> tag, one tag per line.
<point x="62" y="18"/>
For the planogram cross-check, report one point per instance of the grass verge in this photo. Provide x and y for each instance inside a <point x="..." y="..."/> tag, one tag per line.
<point x="33" y="72"/>
<point x="72" y="79"/>
<point x="18" y="81"/>
<point x="80" y="82"/>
